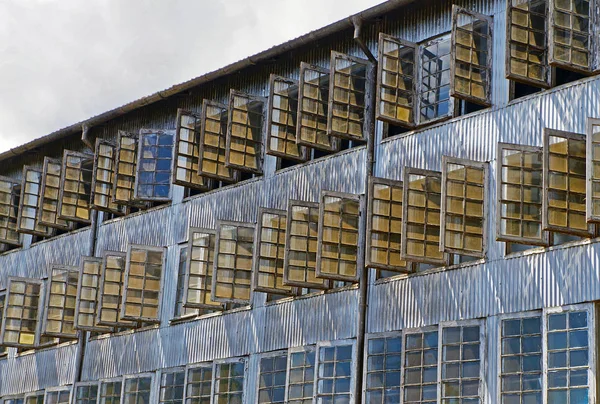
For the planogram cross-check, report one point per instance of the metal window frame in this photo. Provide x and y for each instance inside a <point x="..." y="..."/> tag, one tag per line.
<point x="68" y="225"/>
<point x="353" y="365"/>
<point x="268" y="355"/>
<point x="591" y="122"/>
<point x="365" y="354"/>
<point x="59" y="390"/>
<point x="36" y="394"/>
<point x="124" y="324"/>
<point x="487" y="102"/>
<point x="419" y="330"/>
<point x="49" y="231"/>
<point x="521" y="79"/>
<point x="195" y="145"/>
<point x="16" y="194"/>
<point x="121" y="209"/>
<point x="261" y="144"/>
<point x="446" y="160"/>
<point x="86" y="384"/>
<point x="142" y="134"/>
<point x="216" y="379"/>
<point x="233" y="300"/>
<point x="208" y="290"/>
<point x="546" y="183"/>
<point x="3" y="349"/>
<point x="151" y="375"/>
<point x="544" y="240"/>
<point x="40" y="309"/>
<point x="370" y="78"/>
<point x="326" y="283"/>
<point x="102" y="382"/>
<point x="182" y="315"/>
<point x="400" y="42"/>
<point x="303" y="151"/>
<point x="90" y="158"/>
<point x="131" y="201"/>
<point x="158" y="385"/>
<point x="95" y="328"/>
<point x="290" y="352"/>
<point x="360" y="235"/>
<point x="123" y="315"/>
<point x="70" y="270"/>
<point x="334" y="141"/>
<point x="257" y="254"/>
<point x="199" y="365"/>
<point x="12" y="398"/>
<point x="403" y="247"/>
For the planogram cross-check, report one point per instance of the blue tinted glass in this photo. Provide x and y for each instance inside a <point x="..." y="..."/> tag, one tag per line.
<point x="557" y="359"/>
<point x="394" y="345"/>
<point x="532" y="344"/>
<point x="578" y="319"/>
<point x="165" y="139"/>
<point x="375" y="363"/>
<point x="162" y="191"/>
<point x="532" y="363"/>
<point x="393" y="362"/>
<point x="579" y="396"/>
<point x="532" y="382"/>
<point x="162" y="178"/>
<point x="376" y="346"/>
<point x="146" y="178"/>
<point x="557" y="378"/>
<point x="578" y="339"/>
<point x="511" y="327"/>
<point x="578" y="358"/>
<point x="165" y="152"/>
<point x="150" y="139"/>
<point x="557" y="397"/>
<point x="557" y="322"/>
<point x="557" y="340"/>
<point x="430" y="340"/>
<point x="392" y="379"/>
<point x="532" y="325"/>
<point x="163" y="165"/>
<point x="344" y="353"/>
<point x="578" y="377"/>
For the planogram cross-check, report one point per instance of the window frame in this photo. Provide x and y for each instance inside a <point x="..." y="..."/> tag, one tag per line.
<point x="216" y="380"/>
<point x="102" y="382"/>
<point x="115" y="187"/>
<point x="86" y="384"/>
<point x="365" y="354"/>
<point x="70" y="270"/>
<point x="158" y="385"/>
<point x="360" y="236"/>
<point x="199" y="365"/>
<point x="16" y="195"/>
<point x="195" y="145"/>
<point x="63" y="173"/>
<point x="13" y="399"/>
<point x="49" y="231"/>
<point x="180" y="312"/>
<point x="589" y="166"/>
<point x="37" y="394"/>
<point x="292" y="350"/>
<point x="59" y="389"/>
<point x="151" y="375"/>
<point x="40" y="309"/>
<point x="353" y="368"/>
<point x="446" y="160"/>
<point x="122" y="209"/>
<point x="3" y="349"/>
<point x="95" y="328"/>
<point x="142" y="134"/>
<point x="119" y="323"/>
<point x="268" y="355"/>
<point x="68" y="225"/>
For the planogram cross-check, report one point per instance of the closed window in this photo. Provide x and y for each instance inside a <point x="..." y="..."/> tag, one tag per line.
<point x="154" y="167"/>
<point x="111" y="290"/>
<point x="244" y="132"/>
<point x="13" y="400"/>
<point x="334" y="374"/>
<point x="229" y="381"/>
<point x="88" y="295"/>
<point x="29" y="202"/>
<point x="199" y="384"/>
<point x="420" y="376"/>
<point x="301" y="375"/>
<point x="125" y="169"/>
<point x="172" y="384"/>
<point x="9" y="211"/>
<point x="21" y="314"/>
<point x="137" y="389"/>
<point x="58" y="396"/>
<point x="103" y="179"/>
<point x="110" y="392"/>
<point x="35" y="398"/>
<point x="59" y="317"/>
<point x="187" y="152"/>
<point x="199" y="274"/>
<point x="272" y="378"/>
<point x="76" y="180"/>
<point x="49" y="198"/>
<point x="593" y="170"/>
<point x="384" y="363"/>
<point x="86" y="394"/>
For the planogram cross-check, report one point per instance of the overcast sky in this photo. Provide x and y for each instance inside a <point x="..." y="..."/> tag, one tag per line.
<point x="62" y="61"/>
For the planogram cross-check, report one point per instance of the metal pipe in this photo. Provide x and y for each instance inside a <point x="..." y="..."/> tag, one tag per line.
<point x="85" y="131"/>
<point x="357" y="21"/>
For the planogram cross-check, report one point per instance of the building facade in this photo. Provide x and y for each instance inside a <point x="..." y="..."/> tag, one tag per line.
<point x="399" y="207"/>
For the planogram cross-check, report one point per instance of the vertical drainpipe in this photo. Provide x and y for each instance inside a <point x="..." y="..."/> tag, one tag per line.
<point x="364" y="278"/>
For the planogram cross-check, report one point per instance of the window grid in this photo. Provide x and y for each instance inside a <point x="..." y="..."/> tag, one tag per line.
<point x="111" y="289"/>
<point x="103" y="178"/>
<point x="419" y="380"/>
<point x="282" y="120"/>
<point x="464" y="212"/>
<point x="270" y="253"/>
<point x="461" y="364"/>
<point x="233" y="264"/>
<point x="301" y="237"/>
<point x="3" y="349"/>
<point x="126" y="169"/>
<point x="213" y="143"/>
<point x="301" y="376"/>
<point x="229" y="382"/>
<point x="137" y="389"/>
<point x="180" y="309"/>
<point x="59" y="317"/>
<point x="348" y="97"/>
<point x="570" y="34"/>
<point x="435" y="102"/>
<point x="564" y="191"/>
<point x="272" y="379"/>
<point x="49" y="197"/>
<point x="37" y="398"/>
<point x="21" y="313"/>
<point x="76" y="180"/>
<point x="421" y="212"/>
<point x="187" y="152"/>
<point x="519" y="193"/>
<point x="199" y="274"/>
<point x="29" y="201"/>
<point x="527" y="54"/>
<point x="88" y="295"/>
<point x="154" y="166"/>
<point x="143" y="284"/>
<point x="396" y="81"/>
<point x="199" y="384"/>
<point x="110" y="392"/>
<point x="86" y="394"/>
<point x="244" y="132"/>
<point x="172" y="385"/>
<point x="334" y="375"/>
<point x="339" y="253"/>
<point x="313" y="107"/>
<point x="58" y="397"/>
<point x="471" y="56"/>
<point x="13" y="400"/>
<point x="384" y="363"/>
<point x="9" y="211"/>
<point x="593" y="170"/>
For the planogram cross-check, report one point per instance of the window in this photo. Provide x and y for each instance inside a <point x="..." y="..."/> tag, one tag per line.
<point x="76" y="179"/>
<point x="421" y="217"/>
<point x="526" y="56"/>
<point x="143" y="284"/>
<point x="349" y="96"/>
<point x="301" y="375"/>
<point x="137" y="389"/>
<point x="35" y="398"/>
<point x="110" y="392"/>
<point x="88" y="289"/>
<point x="229" y="381"/>
<point x="9" y="211"/>
<point x="519" y="195"/>
<point x="13" y="400"/>
<point x="3" y="349"/>
<point x="471" y="56"/>
<point x="384" y="225"/>
<point x="272" y="378"/>
<point x="187" y="152"/>
<point x="172" y="384"/>
<point x="103" y="178"/>
<point x="563" y="201"/>
<point x="396" y="76"/>
<point x="125" y="169"/>
<point x="301" y="235"/>
<point x="199" y="384"/>
<point x="464" y="212"/>
<point x="213" y="143"/>
<point x="384" y="363"/>
<point x="339" y="251"/>
<point x="20" y="319"/>
<point x="419" y="381"/>
<point x="593" y="170"/>
<point x="180" y="309"/>
<point x="28" y="209"/>
<point x="313" y="107"/>
<point x="244" y="132"/>
<point x="49" y="198"/>
<point x="268" y="266"/>
<point x="111" y="289"/>
<point x="233" y="264"/>
<point x="283" y="112"/>
<point x="58" y="396"/>
<point x="86" y="393"/>
<point x="154" y="166"/>
<point x="435" y="102"/>
<point x="59" y="317"/>
<point x="334" y="375"/>
<point x="199" y="274"/>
